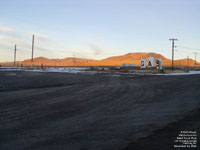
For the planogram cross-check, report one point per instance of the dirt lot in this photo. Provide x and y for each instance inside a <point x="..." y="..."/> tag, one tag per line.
<point x="95" y="112"/>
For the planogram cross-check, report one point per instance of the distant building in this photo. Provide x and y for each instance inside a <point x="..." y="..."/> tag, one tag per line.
<point x="150" y="61"/>
<point x="158" y="63"/>
<point x="129" y="65"/>
<point x="143" y="63"/>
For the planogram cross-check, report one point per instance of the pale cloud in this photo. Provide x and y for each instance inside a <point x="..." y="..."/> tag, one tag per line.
<point x="39" y="36"/>
<point x="6" y="30"/>
<point x="12" y="40"/>
<point x="95" y="48"/>
<point x="44" y="46"/>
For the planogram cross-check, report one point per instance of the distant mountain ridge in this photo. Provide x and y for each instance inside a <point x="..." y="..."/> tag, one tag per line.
<point x="130" y="58"/>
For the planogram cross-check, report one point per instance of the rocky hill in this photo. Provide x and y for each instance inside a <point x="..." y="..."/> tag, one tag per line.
<point x="130" y="58"/>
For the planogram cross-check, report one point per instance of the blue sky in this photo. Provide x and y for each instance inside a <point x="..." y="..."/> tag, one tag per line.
<point x="98" y="28"/>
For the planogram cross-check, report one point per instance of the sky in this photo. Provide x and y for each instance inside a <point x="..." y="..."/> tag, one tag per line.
<point x="98" y="29"/>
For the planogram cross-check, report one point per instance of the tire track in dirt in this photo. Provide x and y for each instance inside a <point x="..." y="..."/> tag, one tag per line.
<point x="95" y="116"/>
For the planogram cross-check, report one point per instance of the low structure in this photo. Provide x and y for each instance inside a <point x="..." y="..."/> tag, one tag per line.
<point x="129" y="65"/>
<point x="143" y="63"/>
<point x="151" y="61"/>
<point x="158" y="63"/>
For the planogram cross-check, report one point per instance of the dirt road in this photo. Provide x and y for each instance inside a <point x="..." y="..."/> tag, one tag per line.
<point x="90" y="112"/>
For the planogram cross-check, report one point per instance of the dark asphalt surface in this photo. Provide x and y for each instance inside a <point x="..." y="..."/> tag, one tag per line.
<point x="90" y="112"/>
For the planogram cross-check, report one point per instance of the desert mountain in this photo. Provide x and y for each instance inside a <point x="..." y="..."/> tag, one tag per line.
<point x="70" y="61"/>
<point x="130" y="58"/>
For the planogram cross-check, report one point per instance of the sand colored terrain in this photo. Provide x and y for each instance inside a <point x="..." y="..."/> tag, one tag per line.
<point x="130" y="58"/>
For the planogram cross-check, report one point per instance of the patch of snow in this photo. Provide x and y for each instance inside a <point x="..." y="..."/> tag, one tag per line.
<point x="82" y="70"/>
<point x="9" y="69"/>
<point x="114" y="75"/>
<point x="61" y="69"/>
<point x="178" y="74"/>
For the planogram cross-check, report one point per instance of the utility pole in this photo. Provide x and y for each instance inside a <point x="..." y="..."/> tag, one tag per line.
<point x="173" y="51"/>
<point x="73" y="60"/>
<point x="187" y="63"/>
<point x="195" y="60"/>
<point x="32" y="51"/>
<point x="15" y="54"/>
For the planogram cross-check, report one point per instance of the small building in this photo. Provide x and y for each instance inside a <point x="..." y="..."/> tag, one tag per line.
<point x="129" y="65"/>
<point x="158" y="63"/>
<point x="151" y="61"/>
<point x="143" y="63"/>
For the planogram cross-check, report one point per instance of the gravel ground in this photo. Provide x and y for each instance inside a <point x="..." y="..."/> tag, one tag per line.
<point x="91" y="112"/>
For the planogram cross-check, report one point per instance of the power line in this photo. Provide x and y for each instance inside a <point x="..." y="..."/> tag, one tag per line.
<point x="185" y="47"/>
<point x="180" y="50"/>
<point x="65" y="51"/>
